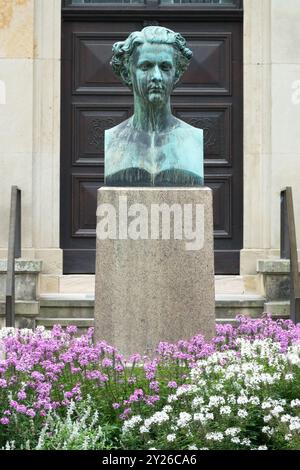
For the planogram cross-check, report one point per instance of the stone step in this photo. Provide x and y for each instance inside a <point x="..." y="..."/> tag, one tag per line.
<point x="62" y="306"/>
<point x="85" y="284"/>
<point x="84" y="323"/>
<point x="81" y="306"/>
<point x="81" y="323"/>
<point x="25" y="312"/>
<point x="78" y="309"/>
<point x="230" y="305"/>
<point x="280" y="309"/>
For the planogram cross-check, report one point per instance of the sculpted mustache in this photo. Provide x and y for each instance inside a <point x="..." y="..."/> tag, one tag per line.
<point x="155" y="87"/>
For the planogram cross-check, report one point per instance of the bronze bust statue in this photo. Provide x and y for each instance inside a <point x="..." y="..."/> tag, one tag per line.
<point x="153" y="147"/>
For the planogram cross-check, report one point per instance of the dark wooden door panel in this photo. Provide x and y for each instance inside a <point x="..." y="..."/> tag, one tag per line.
<point x="93" y="100"/>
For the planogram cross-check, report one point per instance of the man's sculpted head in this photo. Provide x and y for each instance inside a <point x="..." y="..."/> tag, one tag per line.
<point x="151" y="61"/>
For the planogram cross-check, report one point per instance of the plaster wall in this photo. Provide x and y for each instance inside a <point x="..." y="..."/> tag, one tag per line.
<point x="271" y="123"/>
<point x="30" y="125"/>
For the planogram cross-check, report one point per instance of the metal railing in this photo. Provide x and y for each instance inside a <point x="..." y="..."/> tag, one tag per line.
<point x="14" y="251"/>
<point x="288" y="250"/>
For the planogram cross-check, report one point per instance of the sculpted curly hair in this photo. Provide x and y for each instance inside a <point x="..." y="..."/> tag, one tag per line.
<point x="123" y="50"/>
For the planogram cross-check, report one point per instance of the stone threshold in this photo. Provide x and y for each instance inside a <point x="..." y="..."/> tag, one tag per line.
<point x="85" y="284"/>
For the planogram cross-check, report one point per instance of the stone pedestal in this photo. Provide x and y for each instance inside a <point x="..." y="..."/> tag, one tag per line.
<point x="152" y="285"/>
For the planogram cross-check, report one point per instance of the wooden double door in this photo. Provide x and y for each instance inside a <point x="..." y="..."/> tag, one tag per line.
<point x="210" y="96"/>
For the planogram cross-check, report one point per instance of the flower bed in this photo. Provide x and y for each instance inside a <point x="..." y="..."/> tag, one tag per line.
<point x="239" y="391"/>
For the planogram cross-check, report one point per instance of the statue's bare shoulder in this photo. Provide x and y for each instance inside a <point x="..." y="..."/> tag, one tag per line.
<point x="195" y="131"/>
<point x="118" y="128"/>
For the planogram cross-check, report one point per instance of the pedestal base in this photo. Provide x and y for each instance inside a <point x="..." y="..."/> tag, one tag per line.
<point x="151" y="287"/>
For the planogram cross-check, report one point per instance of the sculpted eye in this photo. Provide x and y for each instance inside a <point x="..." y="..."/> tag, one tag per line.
<point x="145" y="66"/>
<point x="166" y="66"/>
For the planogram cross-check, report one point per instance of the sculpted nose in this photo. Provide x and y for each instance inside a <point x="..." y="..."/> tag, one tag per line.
<point x="156" y="74"/>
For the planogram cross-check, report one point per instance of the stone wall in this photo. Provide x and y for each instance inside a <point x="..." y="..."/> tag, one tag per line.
<point x="29" y="124"/>
<point x="271" y="122"/>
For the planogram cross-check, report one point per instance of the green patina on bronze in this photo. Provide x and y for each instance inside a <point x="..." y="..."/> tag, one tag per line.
<point x="153" y="147"/>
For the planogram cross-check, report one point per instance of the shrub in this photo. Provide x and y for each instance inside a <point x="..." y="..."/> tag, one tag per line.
<point x="43" y="372"/>
<point x="233" y="400"/>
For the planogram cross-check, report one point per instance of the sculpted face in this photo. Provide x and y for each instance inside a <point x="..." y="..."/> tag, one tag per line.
<point x="153" y="68"/>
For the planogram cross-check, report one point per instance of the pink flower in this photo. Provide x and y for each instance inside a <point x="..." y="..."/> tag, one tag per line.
<point x="4" y="421"/>
<point x="30" y="412"/>
<point x="125" y="413"/>
<point x="3" y="383"/>
<point x="107" y="362"/>
<point x="154" y="385"/>
<point x="22" y="395"/>
<point x="172" y="384"/>
<point x="72" y="329"/>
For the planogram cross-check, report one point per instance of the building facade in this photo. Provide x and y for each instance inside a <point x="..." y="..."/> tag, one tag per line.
<point x="57" y="96"/>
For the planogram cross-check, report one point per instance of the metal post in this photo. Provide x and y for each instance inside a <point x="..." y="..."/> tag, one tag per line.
<point x="288" y="250"/>
<point x="284" y="231"/>
<point x="14" y="251"/>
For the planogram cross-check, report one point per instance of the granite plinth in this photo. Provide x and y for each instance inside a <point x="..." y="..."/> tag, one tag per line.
<point x="152" y="285"/>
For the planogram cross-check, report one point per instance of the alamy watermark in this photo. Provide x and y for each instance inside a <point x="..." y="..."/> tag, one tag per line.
<point x="159" y="222"/>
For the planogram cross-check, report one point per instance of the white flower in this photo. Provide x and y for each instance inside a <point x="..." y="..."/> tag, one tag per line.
<point x="171" y="437"/>
<point x="294" y="424"/>
<point x="201" y="383"/>
<point x="265" y="405"/>
<point x="289" y="377"/>
<point x="295" y="403"/>
<point x="242" y="400"/>
<point x="219" y="387"/>
<point x="215" y="436"/>
<point x="203" y="417"/>
<point x="158" y="418"/>
<point x="167" y="409"/>
<point x="216" y="401"/>
<point x="267" y="430"/>
<point x="172" y="398"/>
<point x="242" y="413"/>
<point x="293" y="358"/>
<point x="186" y="389"/>
<point x="267" y="418"/>
<point x="232" y="431"/>
<point x="285" y="418"/>
<point x="225" y="410"/>
<point x="235" y="440"/>
<point x="200" y="417"/>
<point x="288" y="437"/>
<point x="277" y="410"/>
<point x="262" y="448"/>
<point x="254" y="400"/>
<point x="246" y="442"/>
<point x="193" y="447"/>
<point x="184" y="419"/>
<point x="197" y="402"/>
<point x="131" y="423"/>
<point x="231" y="399"/>
<point x="144" y="430"/>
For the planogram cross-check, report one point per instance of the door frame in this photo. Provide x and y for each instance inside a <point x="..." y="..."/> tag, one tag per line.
<point x="149" y="10"/>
